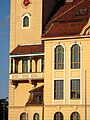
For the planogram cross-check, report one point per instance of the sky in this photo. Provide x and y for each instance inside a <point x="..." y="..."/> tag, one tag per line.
<point x="4" y="47"/>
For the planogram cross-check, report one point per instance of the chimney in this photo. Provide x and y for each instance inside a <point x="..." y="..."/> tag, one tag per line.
<point x="69" y="0"/>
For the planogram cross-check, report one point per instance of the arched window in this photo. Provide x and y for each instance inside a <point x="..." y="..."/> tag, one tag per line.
<point x="75" y="56"/>
<point x="26" y="21"/>
<point x="59" y="57"/>
<point x="24" y="66"/>
<point x="23" y="116"/>
<point x="75" y="116"/>
<point x="36" y="116"/>
<point x="58" y="116"/>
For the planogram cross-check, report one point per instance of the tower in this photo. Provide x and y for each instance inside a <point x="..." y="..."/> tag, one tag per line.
<point x="26" y="56"/>
<point x="25" y="22"/>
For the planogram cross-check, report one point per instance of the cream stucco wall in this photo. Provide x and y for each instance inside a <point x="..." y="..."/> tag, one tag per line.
<point x="18" y="35"/>
<point x="67" y="74"/>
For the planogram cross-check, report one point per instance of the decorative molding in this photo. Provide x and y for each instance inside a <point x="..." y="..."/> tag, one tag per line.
<point x="86" y="29"/>
<point x="26" y="3"/>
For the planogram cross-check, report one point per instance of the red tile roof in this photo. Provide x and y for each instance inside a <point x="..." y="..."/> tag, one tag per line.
<point x="69" y="19"/>
<point x="27" y="49"/>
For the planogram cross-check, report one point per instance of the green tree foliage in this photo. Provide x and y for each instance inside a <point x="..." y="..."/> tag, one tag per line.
<point x="3" y="109"/>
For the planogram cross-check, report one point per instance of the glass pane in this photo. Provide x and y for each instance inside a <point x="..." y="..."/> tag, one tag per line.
<point x="75" y="57"/>
<point x="23" y="116"/>
<point x="75" y="88"/>
<point x="58" y="89"/>
<point x="36" y="116"/>
<point x="58" y="116"/>
<point x="75" y="116"/>
<point x="25" y="66"/>
<point x="59" y="57"/>
<point x="26" y="21"/>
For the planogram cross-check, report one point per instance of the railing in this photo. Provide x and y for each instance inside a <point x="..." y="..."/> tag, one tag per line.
<point x="26" y="76"/>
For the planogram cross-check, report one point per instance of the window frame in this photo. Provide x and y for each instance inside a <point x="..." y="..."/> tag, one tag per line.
<point x="36" y="118"/>
<point x="76" y="53"/>
<point x="28" y="16"/>
<point x="25" y="66"/>
<point x="59" y="57"/>
<point x="21" y="116"/>
<point x="58" y="90"/>
<point x="75" y="113"/>
<point x="58" y="116"/>
<point x="74" y="89"/>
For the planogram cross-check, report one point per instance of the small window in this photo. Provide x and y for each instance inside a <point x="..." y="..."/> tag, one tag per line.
<point x="82" y="11"/>
<point x="24" y="66"/>
<point x="36" y="116"/>
<point x="59" y="57"/>
<point x="75" y="57"/>
<point x="75" y="116"/>
<point x="58" y="116"/>
<point x="26" y="21"/>
<point x="75" y="88"/>
<point x="58" y="89"/>
<point x="23" y="116"/>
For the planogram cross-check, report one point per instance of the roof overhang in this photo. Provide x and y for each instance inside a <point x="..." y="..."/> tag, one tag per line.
<point x="26" y="55"/>
<point x="65" y="38"/>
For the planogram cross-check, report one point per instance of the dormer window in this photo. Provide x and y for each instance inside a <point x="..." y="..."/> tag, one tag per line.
<point x="26" y="21"/>
<point x="82" y="11"/>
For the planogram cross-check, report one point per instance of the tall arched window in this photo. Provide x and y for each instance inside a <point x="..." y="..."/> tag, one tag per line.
<point x="23" y="116"/>
<point x="58" y="116"/>
<point x="36" y="116"/>
<point x="59" y="57"/>
<point x="75" y="56"/>
<point x="75" y="116"/>
<point x="26" y="21"/>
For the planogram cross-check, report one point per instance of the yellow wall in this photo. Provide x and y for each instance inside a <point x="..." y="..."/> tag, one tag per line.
<point x="66" y="74"/>
<point x="19" y="35"/>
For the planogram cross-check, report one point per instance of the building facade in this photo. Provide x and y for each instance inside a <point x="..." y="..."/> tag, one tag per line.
<point x="49" y="60"/>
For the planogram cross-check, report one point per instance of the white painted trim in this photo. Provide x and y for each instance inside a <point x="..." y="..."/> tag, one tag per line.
<point x="53" y="70"/>
<point x="53" y="76"/>
<point x="75" y="69"/>
<point x="27" y="55"/>
<point x="85" y="27"/>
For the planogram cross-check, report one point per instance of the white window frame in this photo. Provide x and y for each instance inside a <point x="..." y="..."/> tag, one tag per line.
<point x="28" y="15"/>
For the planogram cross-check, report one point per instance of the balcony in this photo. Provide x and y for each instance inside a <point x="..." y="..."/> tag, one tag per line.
<point x="32" y="78"/>
<point x="27" y="64"/>
<point x="26" y="76"/>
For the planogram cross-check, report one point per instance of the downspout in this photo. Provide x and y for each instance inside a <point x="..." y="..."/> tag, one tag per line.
<point x="42" y="112"/>
<point x="85" y="98"/>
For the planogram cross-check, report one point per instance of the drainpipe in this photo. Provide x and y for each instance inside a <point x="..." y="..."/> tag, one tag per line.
<point x="85" y="98"/>
<point x="42" y="112"/>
